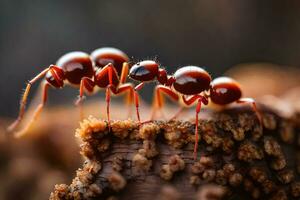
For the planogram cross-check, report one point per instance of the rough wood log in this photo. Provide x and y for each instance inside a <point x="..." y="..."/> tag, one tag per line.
<point x="237" y="159"/>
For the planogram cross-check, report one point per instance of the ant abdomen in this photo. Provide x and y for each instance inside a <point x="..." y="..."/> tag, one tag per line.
<point x="225" y="90"/>
<point x="76" y="65"/>
<point x="104" y="56"/>
<point x="146" y="70"/>
<point x="191" y="80"/>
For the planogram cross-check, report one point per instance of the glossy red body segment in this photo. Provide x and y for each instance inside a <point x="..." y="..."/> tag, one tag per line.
<point x="106" y="55"/>
<point x="102" y="78"/>
<point x="225" y="90"/>
<point x="76" y="65"/>
<point x="162" y="76"/>
<point x="55" y="76"/>
<point x="146" y="70"/>
<point x="191" y="80"/>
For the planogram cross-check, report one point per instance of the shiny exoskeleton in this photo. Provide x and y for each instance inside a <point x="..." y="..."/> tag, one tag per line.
<point x="188" y="85"/>
<point x="105" y="68"/>
<point x="146" y="71"/>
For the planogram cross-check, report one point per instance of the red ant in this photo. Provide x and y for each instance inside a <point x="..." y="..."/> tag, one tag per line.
<point x="193" y="84"/>
<point x="146" y="71"/>
<point x="105" y="67"/>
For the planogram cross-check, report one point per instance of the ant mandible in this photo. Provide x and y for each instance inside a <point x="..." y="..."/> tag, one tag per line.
<point x="106" y="68"/>
<point x="193" y="84"/>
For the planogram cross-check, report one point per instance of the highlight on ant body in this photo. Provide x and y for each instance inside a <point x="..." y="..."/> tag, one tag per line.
<point x="189" y="85"/>
<point x="105" y="68"/>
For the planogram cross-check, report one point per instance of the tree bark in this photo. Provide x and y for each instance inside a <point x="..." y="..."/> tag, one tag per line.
<point x="237" y="158"/>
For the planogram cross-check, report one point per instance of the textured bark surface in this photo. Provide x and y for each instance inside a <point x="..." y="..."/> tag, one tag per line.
<point x="237" y="159"/>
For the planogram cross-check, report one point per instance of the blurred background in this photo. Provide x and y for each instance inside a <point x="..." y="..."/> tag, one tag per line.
<point x="216" y="34"/>
<point x="260" y="39"/>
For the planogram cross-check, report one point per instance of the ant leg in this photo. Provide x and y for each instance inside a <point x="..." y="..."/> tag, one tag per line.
<point x="128" y="88"/>
<point x="25" y="96"/>
<point x="124" y="73"/>
<point x="36" y="112"/>
<point x="137" y="100"/>
<point x="109" y="71"/>
<point x="108" y="88"/>
<point x="189" y="101"/>
<point x="129" y="101"/>
<point x="88" y="84"/>
<point x="198" y="108"/>
<point x="130" y="96"/>
<point x="107" y="98"/>
<point x="181" y="109"/>
<point x="254" y="107"/>
<point x="158" y="101"/>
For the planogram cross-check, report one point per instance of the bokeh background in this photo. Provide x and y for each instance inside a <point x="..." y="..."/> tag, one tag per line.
<point x="216" y="34"/>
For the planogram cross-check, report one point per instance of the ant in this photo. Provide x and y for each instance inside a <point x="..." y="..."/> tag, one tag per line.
<point x="193" y="84"/>
<point x="105" y="67"/>
<point x="146" y="71"/>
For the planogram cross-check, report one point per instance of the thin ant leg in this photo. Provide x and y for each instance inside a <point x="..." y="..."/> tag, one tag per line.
<point x="36" y="112"/>
<point x="137" y="101"/>
<point x="25" y="96"/>
<point x="129" y="101"/>
<point x="88" y="84"/>
<point x="107" y="98"/>
<point x="80" y="99"/>
<point x="125" y="88"/>
<point x="191" y="99"/>
<point x="158" y="101"/>
<point x="108" y="71"/>
<point x="198" y="108"/>
<point x="108" y="88"/>
<point x="254" y="107"/>
<point x="179" y="112"/>
<point x="124" y="73"/>
<point x="188" y="102"/>
<point x="122" y="86"/>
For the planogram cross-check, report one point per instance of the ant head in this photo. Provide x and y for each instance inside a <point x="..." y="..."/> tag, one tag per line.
<point x="225" y="90"/>
<point x="190" y="80"/>
<point x="106" y="55"/>
<point x="55" y="76"/>
<point x="146" y="70"/>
